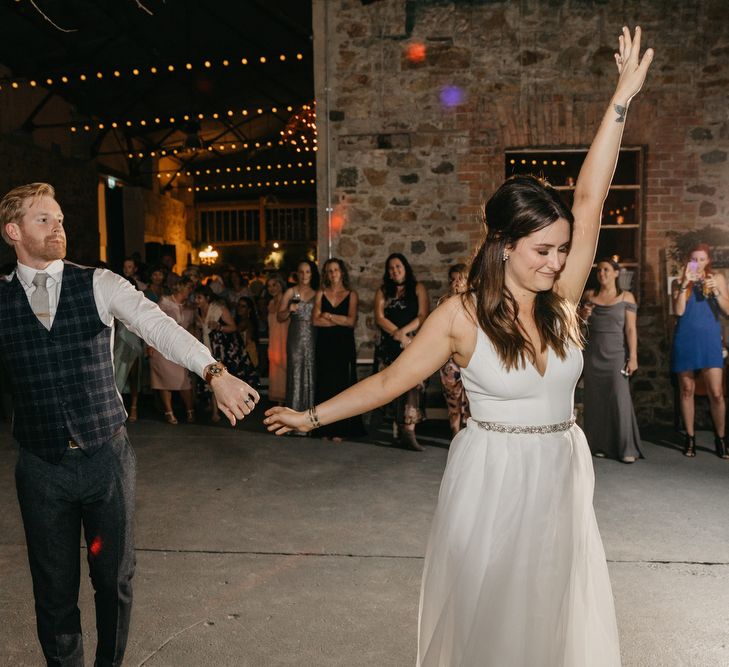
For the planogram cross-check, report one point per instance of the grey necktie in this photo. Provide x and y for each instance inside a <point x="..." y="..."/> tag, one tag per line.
<point x="39" y="300"/>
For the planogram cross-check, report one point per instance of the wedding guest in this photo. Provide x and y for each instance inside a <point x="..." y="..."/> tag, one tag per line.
<point x="611" y="358"/>
<point x="699" y="298"/>
<point x="335" y="317"/>
<point x="129" y="351"/>
<point x="167" y="376"/>
<point x="130" y="270"/>
<point x="219" y="334"/>
<point x="247" y="322"/>
<point x="167" y="261"/>
<point x="450" y="375"/>
<point x="297" y="306"/>
<point x="277" y="331"/>
<point x="156" y="288"/>
<point x="401" y="306"/>
<point x="236" y="287"/>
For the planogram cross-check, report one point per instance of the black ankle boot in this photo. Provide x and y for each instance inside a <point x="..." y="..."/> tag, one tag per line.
<point x="720" y="444"/>
<point x="689" y="446"/>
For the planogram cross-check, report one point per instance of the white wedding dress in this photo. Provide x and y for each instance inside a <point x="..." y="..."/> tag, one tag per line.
<point x="515" y="572"/>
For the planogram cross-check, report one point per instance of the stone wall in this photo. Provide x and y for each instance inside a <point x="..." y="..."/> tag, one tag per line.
<point x="151" y="217"/>
<point x="410" y="163"/>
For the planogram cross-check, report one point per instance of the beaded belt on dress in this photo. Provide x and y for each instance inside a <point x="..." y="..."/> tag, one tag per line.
<point x="517" y="428"/>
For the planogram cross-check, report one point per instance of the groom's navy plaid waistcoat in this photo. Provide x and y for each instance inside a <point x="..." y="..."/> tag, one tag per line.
<point x="62" y="380"/>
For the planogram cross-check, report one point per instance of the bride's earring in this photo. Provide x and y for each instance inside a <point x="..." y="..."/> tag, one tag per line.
<point x="505" y="256"/>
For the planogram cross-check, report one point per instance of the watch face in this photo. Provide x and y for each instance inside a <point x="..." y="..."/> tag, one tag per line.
<point x="213" y="371"/>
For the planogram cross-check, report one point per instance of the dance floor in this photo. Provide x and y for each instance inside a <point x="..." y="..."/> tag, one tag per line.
<point x="255" y="550"/>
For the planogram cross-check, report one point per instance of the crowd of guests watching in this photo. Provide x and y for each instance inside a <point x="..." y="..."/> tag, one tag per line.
<point x="309" y="319"/>
<point x="299" y="333"/>
<point x="307" y="322"/>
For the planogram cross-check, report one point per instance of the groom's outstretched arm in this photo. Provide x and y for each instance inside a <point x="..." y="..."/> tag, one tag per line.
<point x="115" y="297"/>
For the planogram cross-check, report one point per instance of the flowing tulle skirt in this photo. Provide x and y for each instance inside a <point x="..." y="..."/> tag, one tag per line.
<point x="515" y="572"/>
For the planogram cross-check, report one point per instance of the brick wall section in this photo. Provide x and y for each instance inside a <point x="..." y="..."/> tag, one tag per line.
<point x="408" y="174"/>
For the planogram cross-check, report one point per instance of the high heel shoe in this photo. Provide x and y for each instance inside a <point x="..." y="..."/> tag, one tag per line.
<point x="170" y="418"/>
<point x="689" y="446"/>
<point x="720" y="444"/>
<point x="407" y="439"/>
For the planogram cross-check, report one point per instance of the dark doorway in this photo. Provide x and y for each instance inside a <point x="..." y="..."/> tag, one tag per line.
<point x="153" y="252"/>
<point x="115" y="251"/>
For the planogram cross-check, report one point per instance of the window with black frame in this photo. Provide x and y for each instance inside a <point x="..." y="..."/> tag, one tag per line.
<point x="620" y="236"/>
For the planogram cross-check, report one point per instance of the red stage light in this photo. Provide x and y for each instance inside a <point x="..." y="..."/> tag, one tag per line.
<point x="95" y="547"/>
<point x="416" y="52"/>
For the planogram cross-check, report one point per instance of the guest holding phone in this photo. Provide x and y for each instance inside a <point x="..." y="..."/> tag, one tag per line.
<point x="611" y="357"/>
<point x="699" y="296"/>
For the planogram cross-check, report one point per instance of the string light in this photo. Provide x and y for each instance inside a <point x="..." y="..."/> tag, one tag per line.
<point x="180" y="148"/>
<point x="16" y="82"/>
<point x="183" y="118"/>
<point x="252" y="184"/>
<point x="238" y="169"/>
<point x="300" y="131"/>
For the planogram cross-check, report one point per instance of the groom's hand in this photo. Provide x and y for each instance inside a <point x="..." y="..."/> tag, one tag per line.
<point x="235" y="398"/>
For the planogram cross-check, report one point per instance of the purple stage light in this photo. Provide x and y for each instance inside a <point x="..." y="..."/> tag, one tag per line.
<point x="451" y="96"/>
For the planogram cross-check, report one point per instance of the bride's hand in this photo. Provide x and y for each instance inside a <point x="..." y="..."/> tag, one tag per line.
<point x="282" y="420"/>
<point x="631" y="68"/>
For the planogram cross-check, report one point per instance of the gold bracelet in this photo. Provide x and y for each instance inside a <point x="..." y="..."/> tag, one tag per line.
<point x="313" y="417"/>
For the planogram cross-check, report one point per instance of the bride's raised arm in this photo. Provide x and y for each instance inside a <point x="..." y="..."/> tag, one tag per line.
<point x="599" y="166"/>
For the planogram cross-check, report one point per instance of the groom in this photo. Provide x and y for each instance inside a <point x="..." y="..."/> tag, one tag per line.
<point x="76" y="466"/>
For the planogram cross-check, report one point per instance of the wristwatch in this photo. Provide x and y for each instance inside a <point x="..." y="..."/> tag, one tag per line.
<point x="213" y="371"/>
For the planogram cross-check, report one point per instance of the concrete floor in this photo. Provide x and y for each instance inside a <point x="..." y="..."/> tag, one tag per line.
<point x="254" y="550"/>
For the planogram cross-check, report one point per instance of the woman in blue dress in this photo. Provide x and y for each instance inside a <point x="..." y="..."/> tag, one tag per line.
<point x="699" y="297"/>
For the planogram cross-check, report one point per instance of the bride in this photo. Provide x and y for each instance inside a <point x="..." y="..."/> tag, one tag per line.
<point x="515" y="572"/>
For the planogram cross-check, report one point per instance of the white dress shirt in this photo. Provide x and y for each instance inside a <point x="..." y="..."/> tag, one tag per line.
<point x="116" y="297"/>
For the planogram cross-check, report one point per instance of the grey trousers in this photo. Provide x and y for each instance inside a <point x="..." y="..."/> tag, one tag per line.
<point x="55" y="501"/>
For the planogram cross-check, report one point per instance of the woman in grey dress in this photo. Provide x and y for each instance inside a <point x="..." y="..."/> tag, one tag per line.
<point x="297" y="305"/>
<point x="611" y="357"/>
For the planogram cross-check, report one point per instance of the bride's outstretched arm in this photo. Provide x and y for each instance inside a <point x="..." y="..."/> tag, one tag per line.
<point x="597" y="170"/>
<point x="430" y="349"/>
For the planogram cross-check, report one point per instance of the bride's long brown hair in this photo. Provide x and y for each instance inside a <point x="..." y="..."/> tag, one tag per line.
<point x="521" y="206"/>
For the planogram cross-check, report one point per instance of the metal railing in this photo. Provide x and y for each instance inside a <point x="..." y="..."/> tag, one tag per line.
<point x="243" y="223"/>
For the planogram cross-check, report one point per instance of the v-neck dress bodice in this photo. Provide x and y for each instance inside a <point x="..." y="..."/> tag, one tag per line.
<point x="520" y="396"/>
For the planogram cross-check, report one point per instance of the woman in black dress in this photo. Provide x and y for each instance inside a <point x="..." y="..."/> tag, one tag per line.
<point x="401" y="306"/>
<point x="335" y="316"/>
